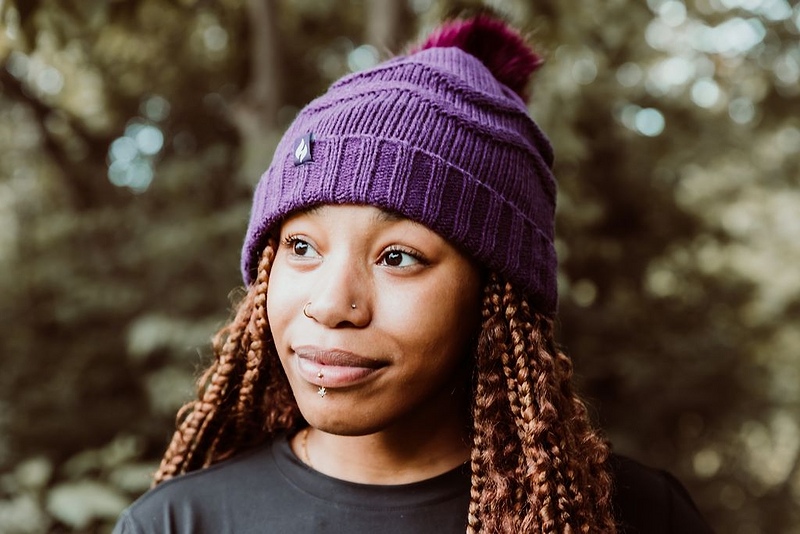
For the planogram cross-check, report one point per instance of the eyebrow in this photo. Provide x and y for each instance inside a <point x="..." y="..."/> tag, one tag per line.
<point x="388" y="216"/>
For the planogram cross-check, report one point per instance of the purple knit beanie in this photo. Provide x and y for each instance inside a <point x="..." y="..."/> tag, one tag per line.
<point x="442" y="136"/>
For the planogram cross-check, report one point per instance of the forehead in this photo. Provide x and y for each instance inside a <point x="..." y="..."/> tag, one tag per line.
<point x="378" y="215"/>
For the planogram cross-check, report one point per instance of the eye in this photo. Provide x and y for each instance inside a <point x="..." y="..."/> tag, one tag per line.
<point x="299" y="247"/>
<point x="400" y="258"/>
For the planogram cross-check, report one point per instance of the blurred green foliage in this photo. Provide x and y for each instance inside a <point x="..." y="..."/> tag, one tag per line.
<point x="132" y="134"/>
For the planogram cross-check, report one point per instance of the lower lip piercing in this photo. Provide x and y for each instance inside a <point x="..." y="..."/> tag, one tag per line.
<point x="321" y="391"/>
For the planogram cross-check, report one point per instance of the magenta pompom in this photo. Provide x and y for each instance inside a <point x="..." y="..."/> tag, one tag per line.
<point x="499" y="46"/>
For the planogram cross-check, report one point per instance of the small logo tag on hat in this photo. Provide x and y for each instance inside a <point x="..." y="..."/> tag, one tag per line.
<point x="302" y="149"/>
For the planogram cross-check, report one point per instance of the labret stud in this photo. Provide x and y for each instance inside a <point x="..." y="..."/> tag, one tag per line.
<point x="321" y="391"/>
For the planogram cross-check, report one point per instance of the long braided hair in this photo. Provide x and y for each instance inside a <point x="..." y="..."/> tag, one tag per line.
<point x="537" y="464"/>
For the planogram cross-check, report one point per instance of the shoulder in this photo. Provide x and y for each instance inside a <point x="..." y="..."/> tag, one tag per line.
<point x="652" y="501"/>
<point x="198" y="501"/>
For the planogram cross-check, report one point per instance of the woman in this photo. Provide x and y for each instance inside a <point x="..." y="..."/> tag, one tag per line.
<point x="392" y="367"/>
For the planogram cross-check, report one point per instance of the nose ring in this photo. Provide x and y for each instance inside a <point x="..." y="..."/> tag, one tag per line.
<point x="353" y="305"/>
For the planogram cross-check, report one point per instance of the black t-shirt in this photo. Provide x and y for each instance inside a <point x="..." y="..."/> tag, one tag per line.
<point x="268" y="490"/>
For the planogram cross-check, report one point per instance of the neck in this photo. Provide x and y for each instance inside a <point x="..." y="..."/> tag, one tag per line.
<point x="422" y="447"/>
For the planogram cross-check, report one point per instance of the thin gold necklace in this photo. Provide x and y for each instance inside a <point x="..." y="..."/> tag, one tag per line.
<point x="304" y="446"/>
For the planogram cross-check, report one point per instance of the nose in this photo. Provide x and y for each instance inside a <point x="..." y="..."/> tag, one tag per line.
<point x="339" y="295"/>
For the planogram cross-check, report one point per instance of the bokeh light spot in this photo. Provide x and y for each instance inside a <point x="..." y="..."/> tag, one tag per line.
<point x="133" y="128"/>
<point x="741" y="110"/>
<point x="140" y="175"/>
<point x="629" y="74"/>
<point x="649" y="122"/>
<point x="789" y="139"/>
<point x="658" y="35"/>
<point x="124" y="149"/>
<point x="420" y="6"/>
<point x="787" y="69"/>
<point x="628" y="116"/>
<point x="731" y="38"/>
<point x="149" y="139"/>
<point x="50" y="80"/>
<point x="17" y="64"/>
<point x="776" y="9"/>
<point x="363" y="57"/>
<point x="706" y="463"/>
<point x="705" y="92"/>
<point x="672" y="71"/>
<point x="672" y="12"/>
<point x="132" y="156"/>
<point x="584" y="292"/>
<point x="118" y="173"/>
<point x="584" y="70"/>
<point x="155" y="108"/>
<point x="215" y="38"/>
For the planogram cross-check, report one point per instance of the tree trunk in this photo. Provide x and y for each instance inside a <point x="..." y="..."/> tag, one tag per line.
<point x="384" y="28"/>
<point x="255" y="112"/>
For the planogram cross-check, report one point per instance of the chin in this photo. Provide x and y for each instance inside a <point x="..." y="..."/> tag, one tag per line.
<point x="340" y="418"/>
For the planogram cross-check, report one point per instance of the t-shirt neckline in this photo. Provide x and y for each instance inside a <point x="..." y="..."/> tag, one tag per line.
<point x="449" y="485"/>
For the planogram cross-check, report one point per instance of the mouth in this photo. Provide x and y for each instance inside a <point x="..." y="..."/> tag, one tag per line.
<point x="334" y="368"/>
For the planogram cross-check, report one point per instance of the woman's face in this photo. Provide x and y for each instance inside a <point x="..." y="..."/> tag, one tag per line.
<point x="400" y="354"/>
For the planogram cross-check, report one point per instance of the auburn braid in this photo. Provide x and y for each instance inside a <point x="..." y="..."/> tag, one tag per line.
<point x="258" y="335"/>
<point x="193" y="415"/>
<point x="496" y="503"/>
<point x="244" y="381"/>
<point x="559" y="482"/>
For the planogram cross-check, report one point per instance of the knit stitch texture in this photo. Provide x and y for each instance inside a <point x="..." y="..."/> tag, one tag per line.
<point x="434" y="136"/>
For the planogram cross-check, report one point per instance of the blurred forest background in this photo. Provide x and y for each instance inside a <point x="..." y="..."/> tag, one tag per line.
<point x="132" y="133"/>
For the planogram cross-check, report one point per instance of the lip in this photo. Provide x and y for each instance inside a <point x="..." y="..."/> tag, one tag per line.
<point x="339" y="368"/>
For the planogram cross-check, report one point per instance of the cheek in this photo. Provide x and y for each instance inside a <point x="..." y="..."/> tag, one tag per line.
<point x="438" y="319"/>
<point x="280" y="303"/>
